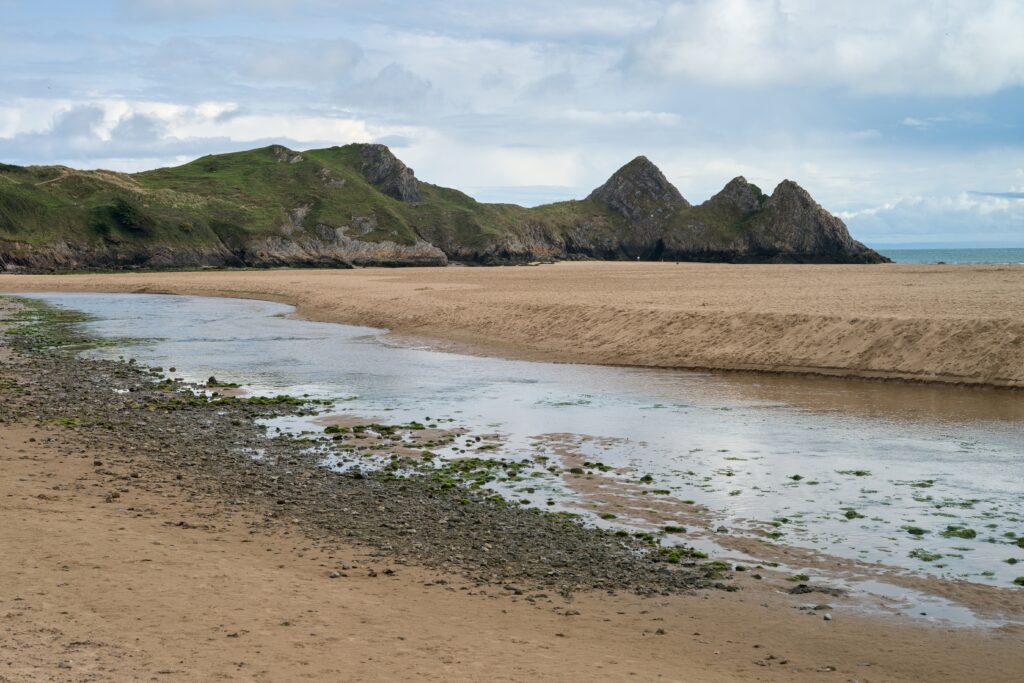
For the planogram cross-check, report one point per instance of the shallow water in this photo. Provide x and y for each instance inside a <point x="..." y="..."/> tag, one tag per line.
<point x="957" y="256"/>
<point x="789" y="456"/>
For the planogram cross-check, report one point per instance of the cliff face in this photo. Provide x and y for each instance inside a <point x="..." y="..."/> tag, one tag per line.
<point x="389" y="175"/>
<point x="360" y="205"/>
<point x="641" y="193"/>
<point x="792" y="223"/>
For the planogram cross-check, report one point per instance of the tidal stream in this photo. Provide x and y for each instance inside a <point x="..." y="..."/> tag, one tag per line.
<point x="920" y="479"/>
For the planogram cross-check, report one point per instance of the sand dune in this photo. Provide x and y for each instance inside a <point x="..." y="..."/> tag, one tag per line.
<point x="959" y="324"/>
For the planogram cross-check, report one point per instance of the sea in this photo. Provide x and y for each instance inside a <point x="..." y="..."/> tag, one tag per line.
<point x="956" y="256"/>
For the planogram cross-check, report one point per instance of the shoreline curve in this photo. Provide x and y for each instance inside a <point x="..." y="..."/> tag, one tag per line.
<point x="950" y="325"/>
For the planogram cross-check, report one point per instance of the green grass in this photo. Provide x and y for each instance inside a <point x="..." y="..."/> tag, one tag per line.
<point x="234" y="199"/>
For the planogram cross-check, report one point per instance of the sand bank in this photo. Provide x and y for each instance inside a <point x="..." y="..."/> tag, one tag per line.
<point x="956" y="324"/>
<point x="116" y="567"/>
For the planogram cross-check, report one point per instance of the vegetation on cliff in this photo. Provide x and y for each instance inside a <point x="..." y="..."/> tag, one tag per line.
<point x="360" y="205"/>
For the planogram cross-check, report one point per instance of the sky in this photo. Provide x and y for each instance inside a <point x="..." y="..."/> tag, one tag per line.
<point x="903" y="117"/>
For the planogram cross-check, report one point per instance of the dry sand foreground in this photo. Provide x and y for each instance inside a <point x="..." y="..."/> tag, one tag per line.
<point x="167" y="584"/>
<point x="961" y="324"/>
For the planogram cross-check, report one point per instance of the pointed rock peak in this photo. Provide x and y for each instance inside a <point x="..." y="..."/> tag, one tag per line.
<point x="642" y="173"/>
<point x="388" y="174"/>
<point x="285" y="155"/>
<point x="789" y="197"/>
<point x="740" y="194"/>
<point x="789" y="189"/>
<point x="637" y="188"/>
<point x="639" y="164"/>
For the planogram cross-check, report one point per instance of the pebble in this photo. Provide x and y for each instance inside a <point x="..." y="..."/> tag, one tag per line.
<point x="527" y="549"/>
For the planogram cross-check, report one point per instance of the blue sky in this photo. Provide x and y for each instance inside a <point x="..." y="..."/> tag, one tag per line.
<point x="904" y="117"/>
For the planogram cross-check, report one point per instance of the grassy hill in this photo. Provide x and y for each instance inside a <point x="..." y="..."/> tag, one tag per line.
<point x="351" y="205"/>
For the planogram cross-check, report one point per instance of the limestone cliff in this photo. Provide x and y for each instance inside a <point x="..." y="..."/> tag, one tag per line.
<point x="360" y="205"/>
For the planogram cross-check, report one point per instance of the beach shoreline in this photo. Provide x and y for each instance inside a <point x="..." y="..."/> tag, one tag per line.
<point x="172" y="583"/>
<point x="956" y="325"/>
<point x="111" y="542"/>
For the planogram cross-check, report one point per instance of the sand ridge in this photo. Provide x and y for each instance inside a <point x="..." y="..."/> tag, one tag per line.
<point x="954" y="324"/>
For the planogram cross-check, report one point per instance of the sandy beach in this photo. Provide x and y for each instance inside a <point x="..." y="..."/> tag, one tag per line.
<point x="952" y="324"/>
<point x="168" y="582"/>
<point x="117" y="566"/>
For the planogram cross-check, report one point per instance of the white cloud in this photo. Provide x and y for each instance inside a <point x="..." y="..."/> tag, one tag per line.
<point x="454" y="163"/>
<point x="393" y="89"/>
<point x="314" y="61"/>
<point x="541" y="100"/>
<point x="497" y="76"/>
<point x="979" y="203"/>
<point x="115" y="129"/>
<point x="251" y="127"/>
<point x="877" y="46"/>
<point x="960" y="218"/>
<point x="604" y="118"/>
<point x="200" y="8"/>
<point x="914" y="122"/>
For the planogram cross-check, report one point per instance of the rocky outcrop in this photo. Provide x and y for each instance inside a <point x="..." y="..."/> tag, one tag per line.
<point x="360" y="205"/>
<point x="742" y="224"/>
<point x="739" y="195"/>
<point x="102" y="255"/>
<point x="793" y="224"/>
<point x="388" y="174"/>
<point x="328" y="246"/>
<point x="738" y="224"/>
<point x="641" y="193"/>
<point x="285" y="155"/>
<point x="324" y="247"/>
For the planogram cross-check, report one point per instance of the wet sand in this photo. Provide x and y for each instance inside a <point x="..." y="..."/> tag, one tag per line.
<point x="166" y="583"/>
<point x="170" y="583"/>
<point x="952" y="324"/>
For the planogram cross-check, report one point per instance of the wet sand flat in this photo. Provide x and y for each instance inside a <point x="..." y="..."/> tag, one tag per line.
<point x="957" y="324"/>
<point x="168" y="583"/>
<point x="116" y="568"/>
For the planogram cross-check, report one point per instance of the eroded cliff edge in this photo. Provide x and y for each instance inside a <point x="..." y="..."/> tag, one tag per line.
<point x="359" y="205"/>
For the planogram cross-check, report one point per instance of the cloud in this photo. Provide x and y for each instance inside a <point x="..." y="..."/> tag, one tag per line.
<point x="524" y="195"/>
<point x="561" y="85"/>
<point x="139" y="128"/>
<point x="200" y="9"/>
<point x="867" y="46"/>
<point x="864" y="103"/>
<point x="914" y="122"/>
<point x="630" y="118"/>
<point x="1003" y="195"/>
<point x="77" y="128"/>
<point x="962" y="218"/>
<point x="522" y="20"/>
<point x="152" y="132"/>
<point x="393" y="88"/>
<point x="316" y="61"/>
<point x="80" y="123"/>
